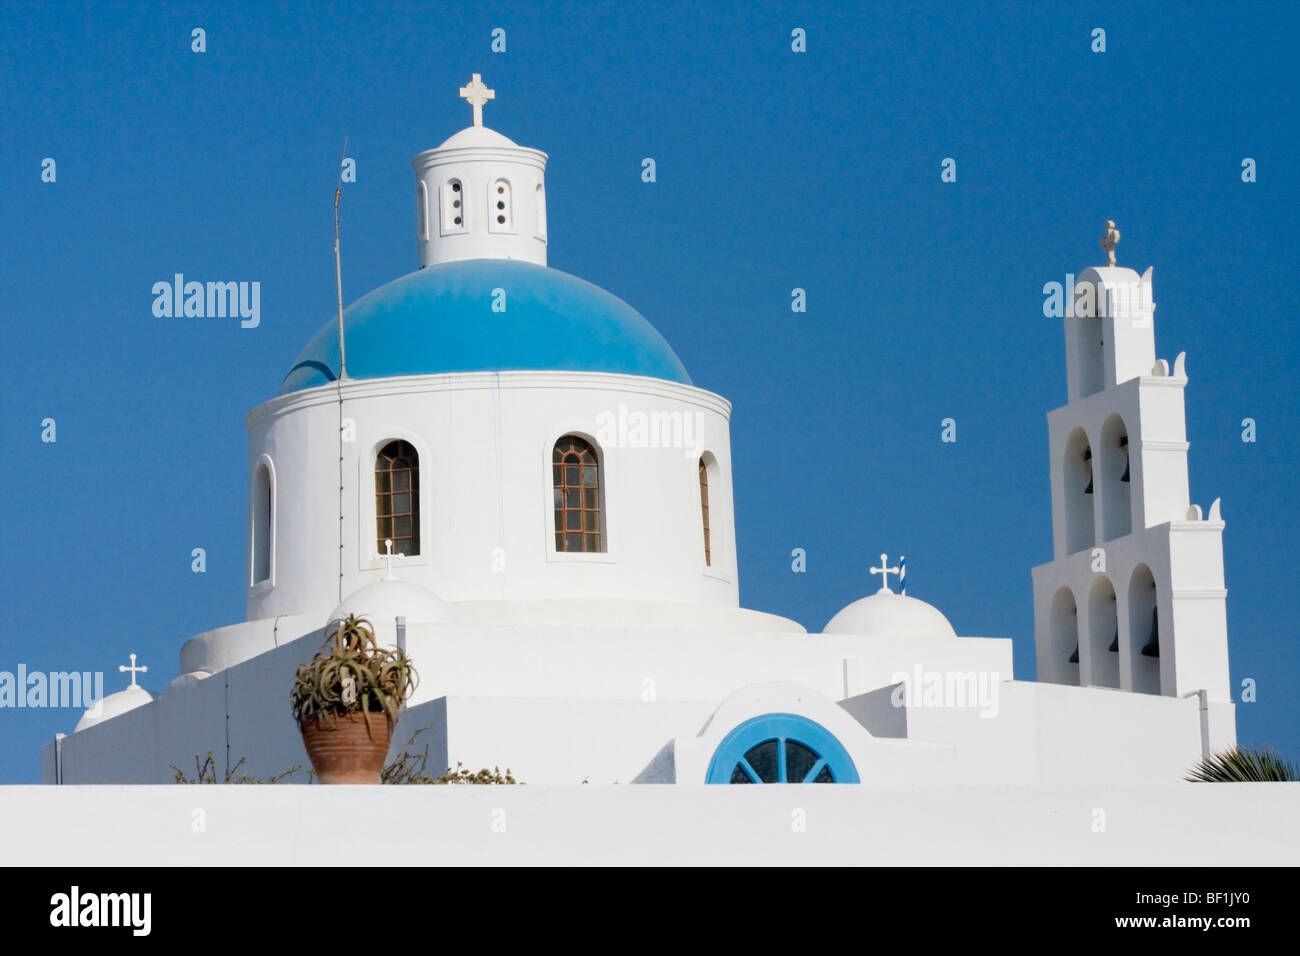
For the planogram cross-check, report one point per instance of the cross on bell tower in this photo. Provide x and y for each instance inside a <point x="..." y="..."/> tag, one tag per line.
<point x="1108" y="241"/>
<point x="477" y="94"/>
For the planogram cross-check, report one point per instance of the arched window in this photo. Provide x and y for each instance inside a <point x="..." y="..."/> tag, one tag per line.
<point x="397" y="498"/>
<point x="1143" y="632"/>
<point x="575" y="475"/>
<point x="453" y="207"/>
<point x="263" y="514"/>
<point x="1064" y="665"/>
<point x="422" y="210"/>
<point x="1079" y="493"/>
<point x="1116" y="499"/>
<point x="704" y="510"/>
<point x="539" y="204"/>
<point x="1088" y="338"/>
<point x="1103" y="633"/>
<point x="781" y="748"/>
<point x="500" y="215"/>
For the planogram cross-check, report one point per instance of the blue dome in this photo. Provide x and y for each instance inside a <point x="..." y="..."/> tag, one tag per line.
<point x="440" y="319"/>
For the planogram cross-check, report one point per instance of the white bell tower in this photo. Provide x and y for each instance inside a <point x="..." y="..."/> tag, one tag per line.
<point x="480" y="195"/>
<point x="1134" y="596"/>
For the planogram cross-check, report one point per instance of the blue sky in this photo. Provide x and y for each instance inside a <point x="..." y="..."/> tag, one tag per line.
<point x="775" y="170"/>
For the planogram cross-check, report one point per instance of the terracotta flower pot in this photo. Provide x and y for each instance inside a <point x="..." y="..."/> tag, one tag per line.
<point x="341" y="750"/>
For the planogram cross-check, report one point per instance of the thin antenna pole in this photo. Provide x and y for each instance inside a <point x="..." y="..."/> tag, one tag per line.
<point x="343" y="355"/>
<point x="338" y="268"/>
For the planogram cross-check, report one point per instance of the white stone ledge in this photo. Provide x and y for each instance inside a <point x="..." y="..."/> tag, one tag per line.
<point x="1177" y="825"/>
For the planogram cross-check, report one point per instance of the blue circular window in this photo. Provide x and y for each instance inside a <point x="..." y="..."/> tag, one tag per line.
<point x="781" y="748"/>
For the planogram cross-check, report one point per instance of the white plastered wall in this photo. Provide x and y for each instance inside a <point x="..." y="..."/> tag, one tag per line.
<point x="487" y="532"/>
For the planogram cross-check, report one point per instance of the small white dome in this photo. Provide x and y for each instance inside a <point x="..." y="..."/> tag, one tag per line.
<point x="891" y="615"/>
<point x="188" y="679"/>
<point x="478" y="136"/>
<point x="114" y="704"/>
<point x="388" y="598"/>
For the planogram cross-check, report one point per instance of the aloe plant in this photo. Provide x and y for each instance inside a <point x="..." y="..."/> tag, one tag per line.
<point x="1247" y="765"/>
<point x="351" y="673"/>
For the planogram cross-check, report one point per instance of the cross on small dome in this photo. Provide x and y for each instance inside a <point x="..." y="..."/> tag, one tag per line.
<point x="477" y="94"/>
<point x="388" y="557"/>
<point x="122" y="668"/>
<point x="884" y="571"/>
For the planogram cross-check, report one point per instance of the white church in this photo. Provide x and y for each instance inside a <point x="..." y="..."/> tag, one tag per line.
<point x="511" y="474"/>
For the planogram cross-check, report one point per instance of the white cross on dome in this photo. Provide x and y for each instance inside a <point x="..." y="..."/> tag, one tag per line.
<point x="884" y="571"/>
<point x="388" y="557"/>
<point x="122" y="668"/>
<point x="477" y="94"/>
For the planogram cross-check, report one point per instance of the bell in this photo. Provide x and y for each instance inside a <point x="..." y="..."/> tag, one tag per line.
<point x="1152" y="647"/>
<point x="1123" y="443"/>
<point x="1088" y="490"/>
<point x="1087" y="463"/>
<point x="1114" y="645"/>
<point x="1074" y="658"/>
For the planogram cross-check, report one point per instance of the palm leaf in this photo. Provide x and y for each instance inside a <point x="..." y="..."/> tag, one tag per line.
<point x="1248" y="765"/>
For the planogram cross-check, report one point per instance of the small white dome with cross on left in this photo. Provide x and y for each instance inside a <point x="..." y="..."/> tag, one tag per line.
<point x="114" y="704"/>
